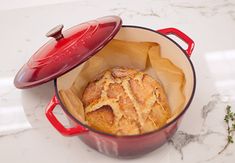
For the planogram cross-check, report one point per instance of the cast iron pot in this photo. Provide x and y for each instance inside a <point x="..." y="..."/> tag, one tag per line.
<point x="49" y="63"/>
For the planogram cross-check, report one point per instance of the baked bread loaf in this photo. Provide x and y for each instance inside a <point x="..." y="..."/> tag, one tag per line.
<point x="125" y="101"/>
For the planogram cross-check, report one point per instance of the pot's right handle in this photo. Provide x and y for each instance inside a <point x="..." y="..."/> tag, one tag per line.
<point x="180" y="35"/>
<point x="54" y="121"/>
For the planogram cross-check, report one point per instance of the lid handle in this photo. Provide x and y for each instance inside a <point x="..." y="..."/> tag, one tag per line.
<point x="56" y="32"/>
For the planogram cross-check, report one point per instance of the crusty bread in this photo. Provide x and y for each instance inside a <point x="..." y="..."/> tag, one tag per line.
<point x="124" y="101"/>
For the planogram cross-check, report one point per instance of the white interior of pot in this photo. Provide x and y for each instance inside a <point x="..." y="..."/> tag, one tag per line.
<point x="168" y="50"/>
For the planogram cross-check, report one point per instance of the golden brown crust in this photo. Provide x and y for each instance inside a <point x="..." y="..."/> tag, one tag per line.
<point x="125" y="102"/>
<point x="92" y="93"/>
<point x="101" y="119"/>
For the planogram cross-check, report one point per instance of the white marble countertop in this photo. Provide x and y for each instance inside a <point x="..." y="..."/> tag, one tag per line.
<point x="26" y="135"/>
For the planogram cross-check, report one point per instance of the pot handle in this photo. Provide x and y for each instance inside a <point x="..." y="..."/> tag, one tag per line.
<point x="182" y="36"/>
<point x="54" y="121"/>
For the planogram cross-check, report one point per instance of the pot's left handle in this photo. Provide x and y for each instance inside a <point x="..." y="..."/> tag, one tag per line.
<point x="54" y="121"/>
<point x="182" y="36"/>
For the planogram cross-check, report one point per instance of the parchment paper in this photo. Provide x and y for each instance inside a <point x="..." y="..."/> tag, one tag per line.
<point x="143" y="56"/>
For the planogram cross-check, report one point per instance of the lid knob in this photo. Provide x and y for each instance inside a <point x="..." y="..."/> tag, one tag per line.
<point x="56" y="32"/>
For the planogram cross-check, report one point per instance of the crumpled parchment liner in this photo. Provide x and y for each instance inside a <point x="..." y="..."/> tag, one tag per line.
<point x="143" y="56"/>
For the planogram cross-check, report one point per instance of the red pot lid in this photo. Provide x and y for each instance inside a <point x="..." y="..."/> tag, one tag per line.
<point x="67" y="50"/>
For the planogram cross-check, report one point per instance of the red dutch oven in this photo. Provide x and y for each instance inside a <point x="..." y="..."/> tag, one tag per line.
<point x="68" y="49"/>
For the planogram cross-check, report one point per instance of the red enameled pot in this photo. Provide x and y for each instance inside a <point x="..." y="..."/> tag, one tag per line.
<point x="60" y="56"/>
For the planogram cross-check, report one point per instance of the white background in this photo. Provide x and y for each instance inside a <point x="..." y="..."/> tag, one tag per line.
<point x="13" y="4"/>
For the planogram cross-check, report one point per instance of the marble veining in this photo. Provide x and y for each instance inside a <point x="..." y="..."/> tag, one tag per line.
<point x="122" y="11"/>
<point x="182" y="139"/>
<point x="15" y="133"/>
<point x="209" y="9"/>
<point x="27" y="136"/>
<point x="206" y="109"/>
<point x="232" y="14"/>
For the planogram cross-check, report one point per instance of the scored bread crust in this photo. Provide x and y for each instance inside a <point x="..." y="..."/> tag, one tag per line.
<point x="124" y="101"/>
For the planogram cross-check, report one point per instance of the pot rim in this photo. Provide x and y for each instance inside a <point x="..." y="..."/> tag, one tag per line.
<point x="148" y="133"/>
